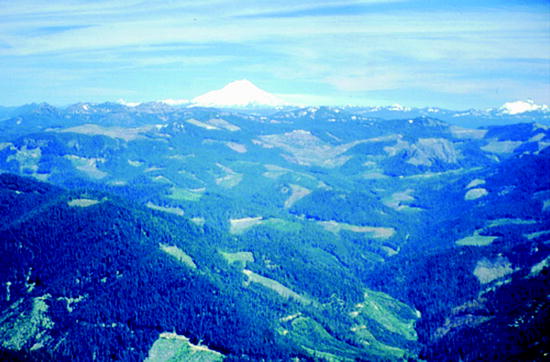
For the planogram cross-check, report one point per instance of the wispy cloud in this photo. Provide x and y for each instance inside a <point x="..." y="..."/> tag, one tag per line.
<point x="351" y="46"/>
<point x="317" y="8"/>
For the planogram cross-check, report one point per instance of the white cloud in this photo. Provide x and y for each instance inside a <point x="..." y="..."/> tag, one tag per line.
<point x="518" y="107"/>
<point x="120" y="25"/>
<point x="368" y="83"/>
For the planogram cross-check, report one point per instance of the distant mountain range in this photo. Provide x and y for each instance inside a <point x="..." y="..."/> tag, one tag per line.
<point x="244" y="96"/>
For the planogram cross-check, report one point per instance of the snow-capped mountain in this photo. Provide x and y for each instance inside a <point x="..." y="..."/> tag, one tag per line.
<point x="175" y="102"/>
<point x="127" y="104"/>
<point x="240" y="93"/>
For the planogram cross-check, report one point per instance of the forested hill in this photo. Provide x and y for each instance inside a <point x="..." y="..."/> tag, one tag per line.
<point x="86" y="274"/>
<point x="483" y="296"/>
<point x="93" y="281"/>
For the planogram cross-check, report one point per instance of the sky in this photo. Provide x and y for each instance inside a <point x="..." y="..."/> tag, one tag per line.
<point x="451" y="54"/>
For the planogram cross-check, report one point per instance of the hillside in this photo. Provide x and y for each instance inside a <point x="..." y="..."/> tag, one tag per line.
<point x="85" y="266"/>
<point x="323" y="233"/>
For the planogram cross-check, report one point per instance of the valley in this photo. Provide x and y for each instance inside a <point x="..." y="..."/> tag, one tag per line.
<point x="316" y="233"/>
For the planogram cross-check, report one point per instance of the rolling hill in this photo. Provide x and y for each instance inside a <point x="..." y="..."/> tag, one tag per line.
<point x="317" y="233"/>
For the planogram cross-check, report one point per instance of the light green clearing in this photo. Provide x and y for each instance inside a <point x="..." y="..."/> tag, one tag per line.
<point x="178" y="254"/>
<point x="161" y="179"/>
<point x="475" y="182"/>
<point x="537" y="268"/>
<point x="282" y="225"/>
<point x="374" y="175"/>
<point x="375" y="232"/>
<point x="239" y="256"/>
<point x="88" y="166"/>
<point x="229" y="181"/>
<point x="222" y="123"/>
<point x="390" y="251"/>
<point x="199" y="221"/>
<point x="127" y="134"/>
<point x="237" y="147"/>
<point x="41" y="176"/>
<point x="71" y="301"/>
<point x="181" y="194"/>
<point x="231" y="178"/>
<point x="396" y="201"/>
<point x="191" y="176"/>
<point x="324" y="356"/>
<point x="483" y="240"/>
<point x="171" y="347"/>
<point x="391" y="137"/>
<point x="202" y="124"/>
<point x="27" y="158"/>
<point x="6" y="145"/>
<point x="466" y="133"/>
<point x="535" y="235"/>
<point x="495" y="146"/>
<point x="274" y="171"/>
<point x="135" y="163"/>
<point x="369" y="340"/>
<point x="20" y="329"/>
<point x="172" y="210"/>
<point x="474" y="194"/>
<point x="239" y="226"/>
<point x="275" y="286"/>
<point x="82" y="202"/>
<point x="542" y="146"/>
<point x="476" y="240"/>
<point x="545" y="205"/>
<point x="316" y="341"/>
<point x="152" y="169"/>
<point x="180" y="157"/>
<point x="297" y="193"/>
<point x="388" y="312"/>
<point x="486" y="270"/>
<point x="500" y="222"/>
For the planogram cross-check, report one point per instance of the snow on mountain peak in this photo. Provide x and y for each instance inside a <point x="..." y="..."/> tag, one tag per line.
<point x="398" y="107"/>
<point x="240" y="93"/>
<point x="518" y="107"/>
<point x="128" y="104"/>
<point x="174" y="102"/>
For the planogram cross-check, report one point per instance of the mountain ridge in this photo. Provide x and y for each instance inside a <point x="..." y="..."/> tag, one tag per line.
<point x="243" y="95"/>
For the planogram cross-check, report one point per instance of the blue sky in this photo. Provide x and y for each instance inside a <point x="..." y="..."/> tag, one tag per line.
<point x="454" y="54"/>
